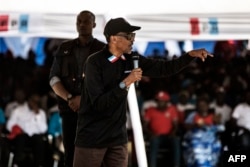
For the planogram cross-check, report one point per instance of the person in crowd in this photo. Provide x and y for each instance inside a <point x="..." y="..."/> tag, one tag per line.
<point x="19" y="99"/>
<point x="2" y="120"/>
<point x="161" y="123"/>
<point x="3" y="148"/>
<point x="220" y="107"/>
<point x="101" y="129"/>
<point x="240" y="130"/>
<point x="66" y="77"/>
<point x="184" y="106"/>
<point x="55" y="134"/>
<point x="54" y="119"/>
<point x="147" y="104"/>
<point x="190" y="85"/>
<point x="54" y="122"/>
<point x="203" y="116"/>
<point x="27" y="126"/>
<point x="201" y="146"/>
<point x="224" y="111"/>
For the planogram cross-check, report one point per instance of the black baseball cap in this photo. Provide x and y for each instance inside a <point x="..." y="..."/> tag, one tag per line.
<point x="117" y="25"/>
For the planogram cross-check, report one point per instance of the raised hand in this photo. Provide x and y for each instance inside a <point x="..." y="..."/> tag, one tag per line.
<point x="200" y="53"/>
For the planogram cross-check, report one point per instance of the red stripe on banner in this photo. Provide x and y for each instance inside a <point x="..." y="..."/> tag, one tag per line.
<point x="194" y="22"/>
<point x="4" y="22"/>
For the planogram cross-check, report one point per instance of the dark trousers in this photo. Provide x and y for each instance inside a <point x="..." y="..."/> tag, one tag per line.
<point x="4" y="151"/>
<point x="116" y="156"/>
<point x="240" y="141"/>
<point x="164" y="141"/>
<point x="34" y="144"/>
<point x="69" y="123"/>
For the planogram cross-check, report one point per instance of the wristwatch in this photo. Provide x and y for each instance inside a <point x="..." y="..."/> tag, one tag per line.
<point x="122" y="85"/>
<point x="69" y="96"/>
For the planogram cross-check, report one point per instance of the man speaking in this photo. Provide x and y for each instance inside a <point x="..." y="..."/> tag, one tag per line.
<point x="101" y="134"/>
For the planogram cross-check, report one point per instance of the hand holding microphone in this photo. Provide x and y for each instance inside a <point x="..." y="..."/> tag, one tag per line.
<point x="135" y="59"/>
<point x="133" y="77"/>
<point x="136" y="74"/>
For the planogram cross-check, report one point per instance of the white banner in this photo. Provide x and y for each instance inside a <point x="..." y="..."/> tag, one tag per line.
<point x="154" y="27"/>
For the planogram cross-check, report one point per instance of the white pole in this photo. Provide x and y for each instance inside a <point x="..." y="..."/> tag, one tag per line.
<point x="137" y="128"/>
<point x="11" y="156"/>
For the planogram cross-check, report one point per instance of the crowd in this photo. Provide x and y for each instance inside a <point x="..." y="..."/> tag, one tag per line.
<point x="30" y="121"/>
<point x="220" y="86"/>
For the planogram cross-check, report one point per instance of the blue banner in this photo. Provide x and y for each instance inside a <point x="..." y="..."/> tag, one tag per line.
<point x="23" y="23"/>
<point x="213" y="22"/>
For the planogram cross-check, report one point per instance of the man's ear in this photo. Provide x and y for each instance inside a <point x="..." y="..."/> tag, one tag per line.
<point x="113" y="39"/>
<point x="94" y="25"/>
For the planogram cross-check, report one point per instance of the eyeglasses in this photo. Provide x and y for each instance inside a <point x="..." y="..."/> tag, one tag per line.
<point x="128" y="36"/>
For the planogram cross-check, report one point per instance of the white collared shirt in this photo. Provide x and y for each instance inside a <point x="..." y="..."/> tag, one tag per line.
<point x="242" y="115"/>
<point x="29" y="121"/>
<point x="225" y="111"/>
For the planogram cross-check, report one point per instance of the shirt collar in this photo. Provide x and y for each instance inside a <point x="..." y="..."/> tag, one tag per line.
<point x="113" y="58"/>
<point x="87" y="43"/>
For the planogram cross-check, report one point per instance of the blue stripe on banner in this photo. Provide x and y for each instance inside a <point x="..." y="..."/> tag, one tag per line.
<point x="155" y="48"/>
<point x="39" y="50"/>
<point x="23" y="23"/>
<point x="213" y="22"/>
<point x="3" y="46"/>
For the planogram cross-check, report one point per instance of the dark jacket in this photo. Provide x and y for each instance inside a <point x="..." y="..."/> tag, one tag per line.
<point x="102" y="117"/>
<point x="65" y="67"/>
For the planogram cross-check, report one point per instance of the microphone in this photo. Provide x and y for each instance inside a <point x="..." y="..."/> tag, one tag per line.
<point x="135" y="59"/>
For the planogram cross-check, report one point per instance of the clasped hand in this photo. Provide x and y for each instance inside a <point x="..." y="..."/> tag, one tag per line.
<point x="74" y="103"/>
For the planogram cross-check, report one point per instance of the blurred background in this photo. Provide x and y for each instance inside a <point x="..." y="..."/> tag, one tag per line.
<point x="31" y="30"/>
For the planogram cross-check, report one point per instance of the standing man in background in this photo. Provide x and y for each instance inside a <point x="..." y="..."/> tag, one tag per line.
<point x="66" y="77"/>
<point x="101" y="128"/>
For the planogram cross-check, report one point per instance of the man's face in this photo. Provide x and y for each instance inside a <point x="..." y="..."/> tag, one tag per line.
<point x="202" y="107"/>
<point x="85" y="24"/>
<point x="162" y="105"/>
<point x="125" y="41"/>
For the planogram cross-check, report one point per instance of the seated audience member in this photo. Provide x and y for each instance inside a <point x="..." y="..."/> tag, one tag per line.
<point x="147" y="104"/>
<point x="201" y="144"/>
<point x="55" y="122"/>
<point x="220" y="107"/>
<point x="240" y="136"/>
<point x="3" y="148"/>
<point x="2" y="121"/>
<point x="184" y="106"/>
<point x="224" y="111"/>
<point x="19" y="99"/>
<point x="27" y="126"/>
<point x="161" y="122"/>
<point x="55" y="132"/>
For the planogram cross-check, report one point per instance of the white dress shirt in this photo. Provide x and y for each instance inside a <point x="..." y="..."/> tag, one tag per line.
<point x="29" y="121"/>
<point x="242" y="115"/>
<point x="224" y="110"/>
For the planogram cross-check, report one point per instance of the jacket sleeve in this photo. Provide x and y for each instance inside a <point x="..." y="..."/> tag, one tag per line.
<point x="63" y="50"/>
<point x="162" y="68"/>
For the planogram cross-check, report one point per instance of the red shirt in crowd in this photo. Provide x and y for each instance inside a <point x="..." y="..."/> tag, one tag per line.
<point x="160" y="122"/>
<point x="205" y="120"/>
